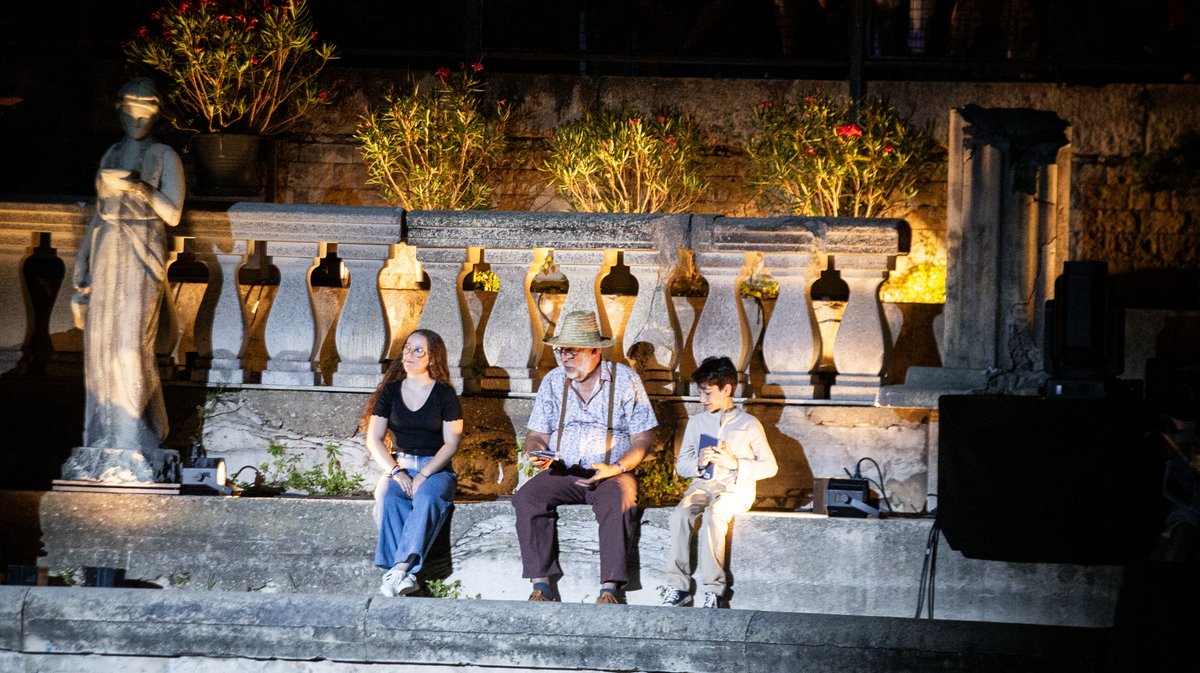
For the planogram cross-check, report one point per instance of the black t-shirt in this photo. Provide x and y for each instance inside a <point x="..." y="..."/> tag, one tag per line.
<point x="418" y="432"/>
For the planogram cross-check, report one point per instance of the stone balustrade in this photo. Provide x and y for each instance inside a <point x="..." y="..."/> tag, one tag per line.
<point x="498" y="351"/>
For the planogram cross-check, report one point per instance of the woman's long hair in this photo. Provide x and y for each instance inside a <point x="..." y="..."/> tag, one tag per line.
<point x="435" y="348"/>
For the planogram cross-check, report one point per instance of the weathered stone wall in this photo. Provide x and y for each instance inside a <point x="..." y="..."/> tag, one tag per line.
<point x="1112" y="126"/>
<point x="808" y="440"/>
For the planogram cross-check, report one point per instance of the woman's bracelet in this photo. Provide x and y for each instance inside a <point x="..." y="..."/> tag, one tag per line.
<point x="394" y="470"/>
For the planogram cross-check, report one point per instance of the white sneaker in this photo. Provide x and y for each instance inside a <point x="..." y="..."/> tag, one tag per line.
<point x="397" y="582"/>
<point x="710" y="600"/>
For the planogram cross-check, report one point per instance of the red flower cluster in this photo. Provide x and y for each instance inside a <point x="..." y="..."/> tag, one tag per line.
<point x="442" y="73"/>
<point x="888" y="149"/>
<point x="849" y="131"/>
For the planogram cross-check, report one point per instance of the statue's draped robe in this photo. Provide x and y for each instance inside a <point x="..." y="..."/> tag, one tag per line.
<point x="125" y="262"/>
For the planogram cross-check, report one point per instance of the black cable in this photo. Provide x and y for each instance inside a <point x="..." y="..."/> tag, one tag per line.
<point x="858" y="475"/>
<point x="928" y="571"/>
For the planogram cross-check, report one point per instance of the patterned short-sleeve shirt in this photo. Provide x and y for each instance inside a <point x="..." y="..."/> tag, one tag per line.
<point x="585" y="426"/>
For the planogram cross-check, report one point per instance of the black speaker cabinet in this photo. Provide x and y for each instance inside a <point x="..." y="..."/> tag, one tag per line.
<point x="1029" y="479"/>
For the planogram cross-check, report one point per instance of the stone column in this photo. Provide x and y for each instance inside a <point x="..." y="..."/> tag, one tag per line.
<point x="291" y="331"/>
<point x="220" y="330"/>
<point x="790" y="345"/>
<point x="445" y="309"/>
<point x="362" y="335"/>
<point x="584" y="269"/>
<point x="1008" y="230"/>
<point x="652" y="339"/>
<point x="860" y="346"/>
<point x="721" y="329"/>
<point x="513" y="342"/>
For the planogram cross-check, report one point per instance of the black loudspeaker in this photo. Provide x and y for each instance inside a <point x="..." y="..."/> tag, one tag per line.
<point x="1028" y="479"/>
<point x="1085" y="329"/>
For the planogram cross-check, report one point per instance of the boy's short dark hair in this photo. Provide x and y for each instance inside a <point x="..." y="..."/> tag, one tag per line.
<point x="716" y="371"/>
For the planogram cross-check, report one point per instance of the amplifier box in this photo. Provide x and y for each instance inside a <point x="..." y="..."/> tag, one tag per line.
<point x="841" y="497"/>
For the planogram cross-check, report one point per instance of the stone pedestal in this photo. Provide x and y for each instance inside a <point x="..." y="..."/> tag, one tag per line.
<point x="583" y="269"/>
<point x="111" y="465"/>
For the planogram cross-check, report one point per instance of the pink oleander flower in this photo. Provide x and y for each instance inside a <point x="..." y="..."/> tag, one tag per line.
<point x="662" y="119"/>
<point x="442" y="73"/>
<point x="671" y="141"/>
<point x="810" y="150"/>
<point x="888" y="149"/>
<point x="849" y="131"/>
<point x="634" y="121"/>
<point x="322" y="95"/>
<point x="763" y="105"/>
<point x="477" y="66"/>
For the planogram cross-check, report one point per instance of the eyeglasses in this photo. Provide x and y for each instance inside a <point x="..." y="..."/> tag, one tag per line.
<point x="569" y="353"/>
<point x="418" y="352"/>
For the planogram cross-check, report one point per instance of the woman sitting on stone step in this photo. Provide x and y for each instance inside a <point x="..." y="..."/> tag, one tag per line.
<point x="417" y="404"/>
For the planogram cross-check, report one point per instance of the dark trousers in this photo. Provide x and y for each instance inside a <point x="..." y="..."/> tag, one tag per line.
<point x="614" y="502"/>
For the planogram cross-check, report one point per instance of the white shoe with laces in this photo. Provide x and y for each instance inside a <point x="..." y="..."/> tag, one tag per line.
<point x="675" y="598"/>
<point x="710" y="600"/>
<point x="397" y="582"/>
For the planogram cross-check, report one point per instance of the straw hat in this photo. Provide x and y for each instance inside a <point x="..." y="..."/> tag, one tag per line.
<point x="578" y="329"/>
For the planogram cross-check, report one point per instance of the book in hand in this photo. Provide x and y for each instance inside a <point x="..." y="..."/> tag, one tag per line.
<point x="706" y="471"/>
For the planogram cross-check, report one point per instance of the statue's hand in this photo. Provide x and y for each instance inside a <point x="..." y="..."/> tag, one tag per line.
<point x="79" y="307"/>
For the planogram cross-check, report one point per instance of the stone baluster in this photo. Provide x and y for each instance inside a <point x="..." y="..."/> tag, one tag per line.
<point x="220" y="329"/>
<point x="512" y="345"/>
<point x="721" y="329"/>
<point x="584" y="269"/>
<point x="24" y="227"/>
<point x="861" y="251"/>
<point x="652" y="340"/>
<point x="16" y="313"/>
<point x="362" y="336"/>
<point x="445" y="309"/>
<point x="166" y="341"/>
<point x="790" y="344"/>
<point x="66" y="340"/>
<point x="291" y="331"/>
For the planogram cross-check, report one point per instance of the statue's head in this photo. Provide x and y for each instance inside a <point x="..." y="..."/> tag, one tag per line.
<point x="138" y="106"/>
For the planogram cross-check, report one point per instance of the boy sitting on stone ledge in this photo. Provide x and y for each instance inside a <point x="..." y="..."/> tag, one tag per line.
<point x="724" y="452"/>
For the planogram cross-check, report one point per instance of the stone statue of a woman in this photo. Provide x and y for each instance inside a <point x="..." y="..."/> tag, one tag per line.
<point x="120" y="277"/>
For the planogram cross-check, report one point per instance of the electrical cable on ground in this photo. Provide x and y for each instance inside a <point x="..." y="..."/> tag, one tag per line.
<point x="928" y="572"/>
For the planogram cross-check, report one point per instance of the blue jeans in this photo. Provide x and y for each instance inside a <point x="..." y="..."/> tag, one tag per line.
<point x="408" y="526"/>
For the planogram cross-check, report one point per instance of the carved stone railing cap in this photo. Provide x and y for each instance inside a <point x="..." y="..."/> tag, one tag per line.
<point x="64" y="221"/>
<point x="523" y="229"/>
<point x="305" y="223"/>
<point x="757" y="234"/>
<point x="863" y="236"/>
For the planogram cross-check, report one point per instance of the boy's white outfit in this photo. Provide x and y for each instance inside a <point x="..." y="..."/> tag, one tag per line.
<point x="718" y="499"/>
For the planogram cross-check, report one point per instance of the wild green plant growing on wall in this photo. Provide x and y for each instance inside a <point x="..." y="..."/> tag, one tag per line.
<point x="283" y="471"/>
<point x="434" y="148"/>
<point x="627" y="162"/>
<point x="815" y="156"/>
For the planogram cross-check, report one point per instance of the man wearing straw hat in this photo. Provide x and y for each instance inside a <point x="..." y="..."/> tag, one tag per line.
<point x="591" y="425"/>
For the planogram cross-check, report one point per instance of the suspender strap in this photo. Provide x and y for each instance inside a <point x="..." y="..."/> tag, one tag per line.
<point x="612" y="394"/>
<point x="562" y="415"/>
